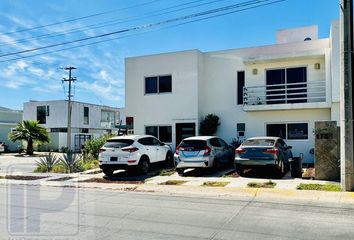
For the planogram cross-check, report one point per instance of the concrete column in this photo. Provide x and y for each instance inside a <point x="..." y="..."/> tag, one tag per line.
<point x="346" y="98"/>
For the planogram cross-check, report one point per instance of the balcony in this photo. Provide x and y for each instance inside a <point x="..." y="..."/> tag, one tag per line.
<point x="299" y="95"/>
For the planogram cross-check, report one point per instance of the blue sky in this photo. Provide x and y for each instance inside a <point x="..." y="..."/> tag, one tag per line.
<point x="100" y="70"/>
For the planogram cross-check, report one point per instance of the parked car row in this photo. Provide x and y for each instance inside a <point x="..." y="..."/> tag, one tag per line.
<point x="140" y="151"/>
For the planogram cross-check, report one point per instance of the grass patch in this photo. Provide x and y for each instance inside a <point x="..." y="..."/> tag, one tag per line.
<point x="167" y="172"/>
<point x="173" y="182"/>
<point x="319" y="187"/>
<point x="215" y="184"/>
<point x="268" y="184"/>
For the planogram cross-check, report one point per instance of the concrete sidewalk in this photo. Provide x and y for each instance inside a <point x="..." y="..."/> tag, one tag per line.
<point x="285" y="188"/>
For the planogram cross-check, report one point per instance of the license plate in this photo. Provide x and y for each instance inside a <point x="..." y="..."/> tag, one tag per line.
<point x="114" y="159"/>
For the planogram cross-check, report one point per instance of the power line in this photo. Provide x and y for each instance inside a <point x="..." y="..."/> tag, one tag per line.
<point x="150" y="25"/>
<point x="112" y="22"/>
<point x="112" y="39"/>
<point x="79" y="18"/>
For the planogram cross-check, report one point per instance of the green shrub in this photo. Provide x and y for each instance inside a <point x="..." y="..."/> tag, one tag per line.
<point x="46" y="163"/>
<point x="92" y="147"/>
<point x="209" y="125"/>
<point x="59" y="169"/>
<point x="88" y="165"/>
<point x="235" y="142"/>
<point x="71" y="162"/>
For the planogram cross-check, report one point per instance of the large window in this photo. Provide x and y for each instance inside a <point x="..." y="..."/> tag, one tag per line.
<point x="287" y="85"/>
<point x="108" y="119"/>
<point x="290" y="131"/>
<point x="298" y="131"/>
<point x="158" y="84"/>
<point x="42" y="114"/>
<point x="163" y="133"/>
<point x="240" y="85"/>
<point x="86" y="115"/>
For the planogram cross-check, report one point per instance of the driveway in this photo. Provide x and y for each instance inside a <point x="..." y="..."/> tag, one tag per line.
<point x="15" y="163"/>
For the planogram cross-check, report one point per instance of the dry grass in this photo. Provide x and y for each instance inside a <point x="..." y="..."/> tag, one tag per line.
<point x="215" y="184"/>
<point x="173" y="182"/>
<point x="268" y="184"/>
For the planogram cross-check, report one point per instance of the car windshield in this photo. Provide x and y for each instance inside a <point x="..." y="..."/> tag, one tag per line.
<point x="258" y="142"/>
<point x="195" y="145"/>
<point x="118" y="143"/>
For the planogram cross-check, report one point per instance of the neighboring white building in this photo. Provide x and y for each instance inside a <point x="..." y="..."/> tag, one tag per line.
<point x="8" y="120"/>
<point x="280" y="89"/>
<point x="87" y="121"/>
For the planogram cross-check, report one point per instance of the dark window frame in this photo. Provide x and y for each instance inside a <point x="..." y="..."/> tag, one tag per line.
<point x="86" y="116"/>
<point x="240" y="84"/>
<point x="286" y="91"/>
<point x="286" y="132"/>
<point x="158" y="91"/>
<point x="158" y="132"/>
<point x="41" y="112"/>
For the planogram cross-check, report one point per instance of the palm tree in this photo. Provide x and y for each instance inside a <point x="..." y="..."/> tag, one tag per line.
<point x="29" y="131"/>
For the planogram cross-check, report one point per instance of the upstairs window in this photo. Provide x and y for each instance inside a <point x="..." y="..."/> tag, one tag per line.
<point x="158" y="84"/>
<point x="86" y="115"/>
<point x="286" y="85"/>
<point x="240" y="85"/>
<point x="42" y="114"/>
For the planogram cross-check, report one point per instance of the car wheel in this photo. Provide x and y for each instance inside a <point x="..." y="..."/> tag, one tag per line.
<point x="180" y="171"/>
<point x="143" y="166"/>
<point x="216" y="165"/>
<point x="239" y="169"/>
<point x="169" y="159"/>
<point x="281" y="170"/>
<point x="108" y="172"/>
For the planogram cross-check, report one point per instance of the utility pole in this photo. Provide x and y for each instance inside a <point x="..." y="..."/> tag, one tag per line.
<point x="70" y="80"/>
<point x="346" y="88"/>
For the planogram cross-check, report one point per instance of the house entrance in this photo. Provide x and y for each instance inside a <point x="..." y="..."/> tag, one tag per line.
<point x="184" y="130"/>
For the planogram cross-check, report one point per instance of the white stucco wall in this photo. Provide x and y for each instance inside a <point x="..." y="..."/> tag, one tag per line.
<point x="204" y="83"/>
<point x="167" y="108"/>
<point x="58" y="114"/>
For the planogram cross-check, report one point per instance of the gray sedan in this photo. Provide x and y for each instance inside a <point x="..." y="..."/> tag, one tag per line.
<point x="263" y="151"/>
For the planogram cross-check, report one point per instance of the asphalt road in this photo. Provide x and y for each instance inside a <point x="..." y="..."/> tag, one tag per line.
<point x="35" y="212"/>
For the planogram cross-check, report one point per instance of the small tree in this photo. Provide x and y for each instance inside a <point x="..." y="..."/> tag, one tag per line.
<point x="29" y="131"/>
<point x="209" y="125"/>
<point x="92" y="147"/>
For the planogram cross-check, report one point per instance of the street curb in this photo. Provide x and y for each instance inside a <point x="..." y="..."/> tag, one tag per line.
<point x="255" y="193"/>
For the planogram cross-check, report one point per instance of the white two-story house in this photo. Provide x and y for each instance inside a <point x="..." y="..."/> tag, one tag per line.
<point x="87" y="121"/>
<point x="274" y="90"/>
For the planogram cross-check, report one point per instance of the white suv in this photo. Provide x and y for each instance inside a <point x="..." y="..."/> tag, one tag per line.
<point x="134" y="151"/>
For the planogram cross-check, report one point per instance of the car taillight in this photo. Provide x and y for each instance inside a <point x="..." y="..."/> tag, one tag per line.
<point x="130" y="149"/>
<point x="240" y="150"/>
<point x="178" y="148"/>
<point x="207" y="151"/>
<point x="274" y="151"/>
<point x="102" y="150"/>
